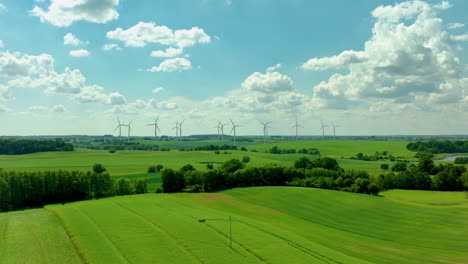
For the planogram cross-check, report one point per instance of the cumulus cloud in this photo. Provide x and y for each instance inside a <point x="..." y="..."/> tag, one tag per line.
<point x="63" y="13"/>
<point x="17" y="65"/>
<point x="79" y="53"/>
<point x="5" y="109"/>
<point x="409" y="55"/>
<point x="269" y="82"/>
<point x="116" y="99"/>
<point x="70" y="39"/>
<point x="463" y="37"/>
<point x="168" y="53"/>
<point x="109" y="47"/>
<point x="158" y="90"/>
<point x="5" y="93"/>
<point x="274" y="68"/>
<point x="170" y="65"/>
<point x="143" y="33"/>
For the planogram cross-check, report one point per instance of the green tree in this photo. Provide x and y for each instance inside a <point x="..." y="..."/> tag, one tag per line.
<point x="141" y="186"/>
<point x="426" y="165"/>
<point x="302" y="163"/>
<point x="172" y="181"/>
<point x="152" y="169"/>
<point x="232" y="165"/>
<point x="245" y="159"/>
<point x="399" y="166"/>
<point x="123" y="187"/>
<point x="98" y="168"/>
<point x="384" y="166"/>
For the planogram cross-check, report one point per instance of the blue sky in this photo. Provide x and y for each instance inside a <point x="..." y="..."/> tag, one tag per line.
<point x="374" y="67"/>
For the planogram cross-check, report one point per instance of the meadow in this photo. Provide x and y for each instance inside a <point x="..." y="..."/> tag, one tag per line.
<point x="269" y="225"/>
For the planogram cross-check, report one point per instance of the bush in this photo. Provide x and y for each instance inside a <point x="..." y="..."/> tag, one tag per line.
<point x="217" y="152"/>
<point x="209" y="166"/>
<point x="98" y="168"/>
<point x="123" y="187"/>
<point x="152" y="169"/>
<point x="159" y="167"/>
<point x="461" y="160"/>
<point x="384" y="166"/>
<point x="159" y="190"/>
<point x="245" y="159"/>
<point x="399" y="166"/>
<point x="243" y="149"/>
<point x="141" y="186"/>
<point x="232" y="165"/>
<point x="112" y="151"/>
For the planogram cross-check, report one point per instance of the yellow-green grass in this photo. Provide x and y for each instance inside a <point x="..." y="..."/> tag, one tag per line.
<point x="270" y="225"/>
<point x="35" y="236"/>
<point x="458" y="199"/>
<point x="342" y="148"/>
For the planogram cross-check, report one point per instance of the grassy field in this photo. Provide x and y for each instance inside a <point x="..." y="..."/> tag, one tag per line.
<point x="270" y="225"/>
<point x="428" y="197"/>
<point x="133" y="163"/>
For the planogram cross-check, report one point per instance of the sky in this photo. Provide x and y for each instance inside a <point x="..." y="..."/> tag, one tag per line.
<point x="369" y="67"/>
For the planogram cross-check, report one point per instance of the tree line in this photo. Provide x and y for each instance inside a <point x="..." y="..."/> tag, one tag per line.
<point x="277" y="150"/>
<point x="26" y="146"/>
<point x="439" y="146"/>
<point x="31" y="189"/>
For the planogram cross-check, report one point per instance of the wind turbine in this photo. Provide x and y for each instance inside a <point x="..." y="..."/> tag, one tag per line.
<point x="221" y="127"/>
<point x="119" y="126"/>
<point x="176" y="129"/>
<point x="265" y="130"/>
<point x="334" y="127"/>
<point x="323" y="129"/>
<point x="129" y="128"/>
<point x="180" y="129"/>
<point x="234" y="126"/>
<point x="297" y="126"/>
<point x="156" y="128"/>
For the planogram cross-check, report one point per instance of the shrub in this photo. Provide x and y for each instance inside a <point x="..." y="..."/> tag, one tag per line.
<point x="209" y="166"/>
<point x="245" y="159"/>
<point x="217" y="152"/>
<point x="243" y="149"/>
<point x="112" y="151"/>
<point x="98" y="168"/>
<point x="384" y="166"/>
<point x="461" y="160"/>
<point x="141" y="186"/>
<point x="152" y="169"/>
<point x="399" y="166"/>
<point x="159" y="190"/>
<point x="159" y="167"/>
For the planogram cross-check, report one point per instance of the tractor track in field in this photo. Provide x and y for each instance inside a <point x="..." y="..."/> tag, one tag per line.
<point x="93" y="222"/>
<point x="239" y="244"/>
<point x="179" y="243"/>
<point x="295" y="245"/>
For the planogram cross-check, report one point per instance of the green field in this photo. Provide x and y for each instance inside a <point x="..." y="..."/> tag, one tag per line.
<point x="270" y="225"/>
<point x="136" y="162"/>
<point x="428" y="197"/>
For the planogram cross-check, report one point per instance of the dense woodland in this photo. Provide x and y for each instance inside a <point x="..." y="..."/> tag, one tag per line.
<point x="30" y="189"/>
<point x="26" y="146"/>
<point x="439" y="146"/>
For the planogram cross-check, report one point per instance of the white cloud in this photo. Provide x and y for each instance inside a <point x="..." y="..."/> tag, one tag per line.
<point x="143" y="33"/>
<point x="408" y="57"/>
<point x="16" y="65"/>
<point x="443" y="5"/>
<point x="158" y="90"/>
<point x="455" y="25"/>
<point x="46" y="109"/>
<point x="342" y="60"/>
<point x="2" y="7"/>
<point x="79" y="53"/>
<point x="170" y="65"/>
<point x="186" y="38"/>
<point x="5" y="109"/>
<point x="70" y="39"/>
<point x="274" y="68"/>
<point x="108" y="47"/>
<point x="5" y="93"/>
<point x="116" y="99"/>
<point x="63" y="13"/>
<point x="2" y="45"/>
<point x="269" y="82"/>
<point x="168" y="53"/>
<point x="463" y="37"/>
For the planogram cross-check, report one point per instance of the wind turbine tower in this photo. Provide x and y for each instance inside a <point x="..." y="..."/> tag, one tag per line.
<point x="129" y="128"/>
<point x="334" y="132"/>
<point x="221" y="127"/>
<point x="234" y="126"/>
<point x="156" y="128"/>
<point x="265" y="130"/>
<point x="119" y="126"/>
<point x="297" y="126"/>
<point x="176" y="129"/>
<point x="180" y="129"/>
<point x="323" y="129"/>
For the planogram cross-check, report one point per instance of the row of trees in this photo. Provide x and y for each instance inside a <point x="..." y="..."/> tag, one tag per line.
<point x="26" y="146"/>
<point x="277" y="150"/>
<point x="320" y="173"/>
<point x="29" y="189"/>
<point x="210" y="147"/>
<point x="439" y="146"/>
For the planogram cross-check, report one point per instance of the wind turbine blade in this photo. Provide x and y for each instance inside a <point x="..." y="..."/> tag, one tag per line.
<point x="118" y="120"/>
<point x="130" y="123"/>
<point x="117" y="128"/>
<point x="231" y="130"/>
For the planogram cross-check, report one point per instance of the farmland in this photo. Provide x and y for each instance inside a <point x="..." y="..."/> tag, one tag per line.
<point x="270" y="225"/>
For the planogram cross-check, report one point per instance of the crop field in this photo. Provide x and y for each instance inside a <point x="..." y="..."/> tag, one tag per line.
<point x="269" y="225"/>
<point x="132" y="163"/>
